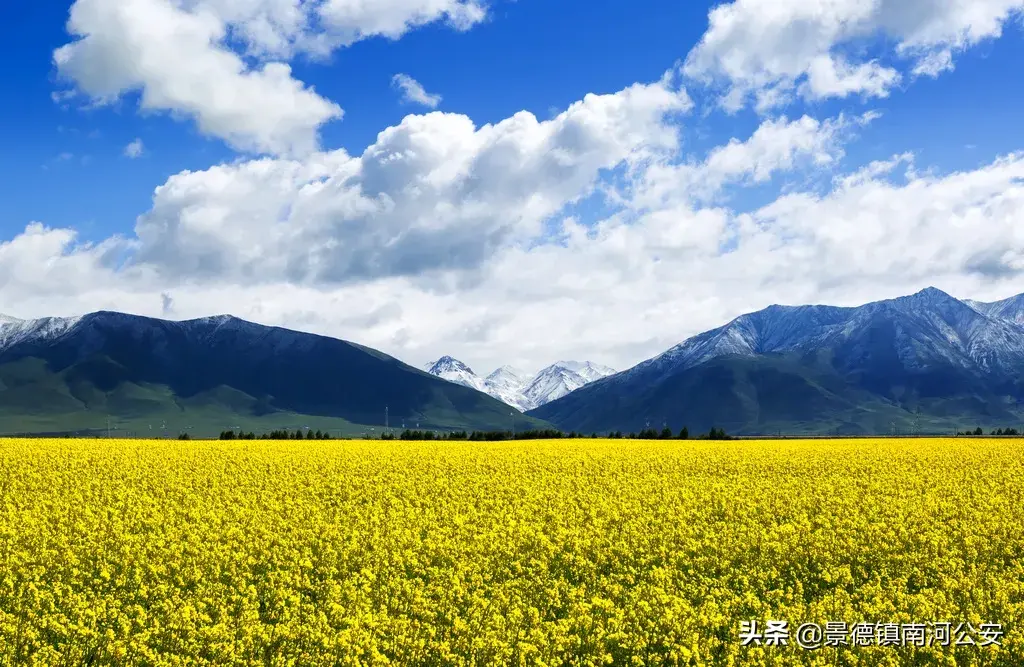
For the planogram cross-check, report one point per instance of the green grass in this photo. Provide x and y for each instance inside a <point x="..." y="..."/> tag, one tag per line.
<point x="34" y="400"/>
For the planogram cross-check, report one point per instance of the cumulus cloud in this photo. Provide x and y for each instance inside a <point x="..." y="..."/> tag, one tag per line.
<point x="433" y="194"/>
<point x="49" y="265"/>
<point x="414" y="92"/>
<point x="178" y="62"/>
<point x="135" y="149"/>
<point x="180" y="58"/>
<point x="348" y="21"/>
<point x="776" y="146"/>
<point x="771" y="50"/>
<point x="445" y="237"/>
<point x="627" y="289"/>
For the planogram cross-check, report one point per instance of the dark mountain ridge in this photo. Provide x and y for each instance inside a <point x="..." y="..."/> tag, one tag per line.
<point x="131" y="367"/>
<point x="927" y="357"/>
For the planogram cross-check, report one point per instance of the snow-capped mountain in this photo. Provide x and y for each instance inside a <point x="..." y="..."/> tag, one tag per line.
<point x="802" y="366"/>
<point x="932" y="326"/>
<point x="587" y="370"/>
<point x="90" y="332"/>
<point x="64" y="374"/>
<point x="14" y="330"/>
<point x="552" y="383"/>
<point x="1011" y="309"/>
<point x="506" y="384"/>
<point x="455" y="371"/>
<point x="519" y="389"/>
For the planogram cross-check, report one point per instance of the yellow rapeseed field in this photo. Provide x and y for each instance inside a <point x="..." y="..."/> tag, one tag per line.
<point x="570" y="552"/>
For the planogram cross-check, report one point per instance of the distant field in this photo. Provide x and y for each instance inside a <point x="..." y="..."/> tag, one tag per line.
<point x="579" y="552"/>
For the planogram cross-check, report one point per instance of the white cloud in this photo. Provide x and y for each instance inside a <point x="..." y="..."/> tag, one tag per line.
<point x="778" y="145"/>
<point x="434" y="194"/>
<point x="48" y="265"/>
<point x="351" y="20"/>
<point x="179" y="58"/>
<point x="828" y="76"/>
<point x="178" y="62"/>
<point x="282" y="28"/>
<point x="135" y="149"/>
<point x="413" y="91"/>
<point x="412" y="247"/>
<point x="629" y="289"/>
<point x="62" y="98"/>
<point x="771" y="49"/>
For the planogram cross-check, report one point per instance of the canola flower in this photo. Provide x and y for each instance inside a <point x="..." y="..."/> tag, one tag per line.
<point x="567" y="552"/>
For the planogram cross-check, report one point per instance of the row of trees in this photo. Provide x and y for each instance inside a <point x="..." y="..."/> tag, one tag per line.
<point x="549" y="434"/>
<point x="274" y="435"/>
<point x="479" y="435"/>
<point x="666" y="434"/>
<point x="998" y="431"/>
<point x="546" y="434"/>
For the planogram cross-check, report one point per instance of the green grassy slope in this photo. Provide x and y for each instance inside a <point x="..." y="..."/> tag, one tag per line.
<point x="141" y="372"/>
<point x="763" y="395"/>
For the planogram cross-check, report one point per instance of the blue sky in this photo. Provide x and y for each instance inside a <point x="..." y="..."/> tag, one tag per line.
<point x="65" y="166"/>
<point x="528" y="55"/>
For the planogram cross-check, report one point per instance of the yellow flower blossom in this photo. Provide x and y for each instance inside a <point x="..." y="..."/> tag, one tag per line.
<point x="568" y="552"/>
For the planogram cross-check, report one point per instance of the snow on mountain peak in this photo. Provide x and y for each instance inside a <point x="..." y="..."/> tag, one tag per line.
<point x="928" y="325"/>
<point x="1011" y="309"/>
<point x="14" y="330"/>
<point x="505" y="373"/>
<point x="928" y="298"/>
<point x="588" y="370"/>
<point x="214" y="319"/>
<point x="453" y="370"/>
<point x="448" y="364"/>
<point x="932" y="293"/>
<point x="514" y="387"/>
<point x="552" y="383"/>
<point x="506" y="384"/>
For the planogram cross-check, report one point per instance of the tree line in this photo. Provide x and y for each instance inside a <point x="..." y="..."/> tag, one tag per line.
<point x="666" y="434"/>
<point x="480" y="436"/>
<point x="998" y="431"/>
<point x="551" y="434"/>
<point x="274" y="435"/>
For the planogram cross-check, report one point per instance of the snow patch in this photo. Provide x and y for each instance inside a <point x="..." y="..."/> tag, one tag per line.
<point x="517" y="388"/>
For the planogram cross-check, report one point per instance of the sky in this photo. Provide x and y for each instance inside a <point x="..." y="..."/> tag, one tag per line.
<point x="509" y="181"/>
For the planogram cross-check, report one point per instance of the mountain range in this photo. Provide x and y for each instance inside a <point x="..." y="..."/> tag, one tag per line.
<point x="207" y="375"/>
<point x="517" y="388"/>
<point x="926" y="361"/>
